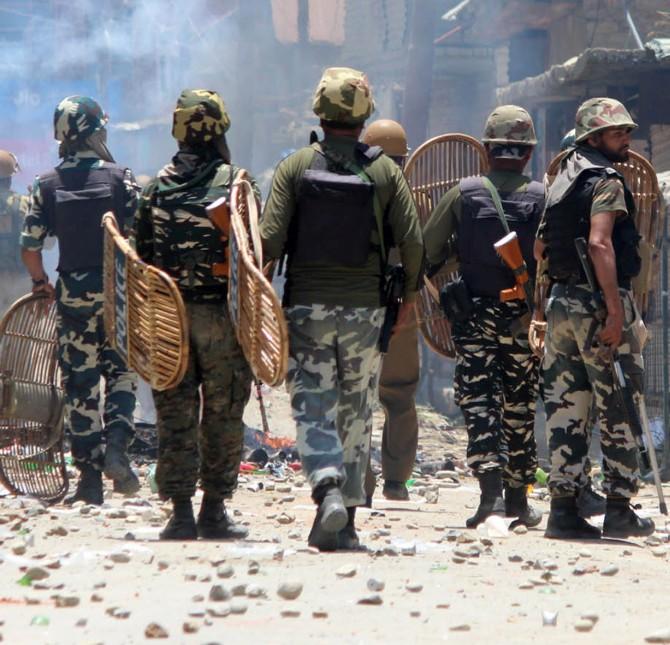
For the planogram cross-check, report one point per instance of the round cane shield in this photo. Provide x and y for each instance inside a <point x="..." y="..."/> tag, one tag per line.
<point x="641" y="180"/>
<point x="436" y="166"/>
<point x="31" y="401"/>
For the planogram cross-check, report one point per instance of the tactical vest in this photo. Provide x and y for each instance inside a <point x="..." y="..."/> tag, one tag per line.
<point x="571" y="218"/>
<point x="74" y="201"/>
<point x="336" y="213"/>
<point x="187" y="245"/>
<point x="480" y="227"/>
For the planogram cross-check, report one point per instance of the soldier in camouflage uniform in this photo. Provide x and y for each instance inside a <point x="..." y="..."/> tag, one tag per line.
<point x="173" y="231"/>
<point x="399" y="375"/>
<point x="496" y="371"/>
<point x="590" y="199"/>
<point x="13" y="209"/>
<point x="69" y="202"/>
<point x="327" y="209"/>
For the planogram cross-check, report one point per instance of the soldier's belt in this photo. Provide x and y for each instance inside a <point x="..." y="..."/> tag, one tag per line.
<point x="145" y="317"/>
<point x="255" y="310"/>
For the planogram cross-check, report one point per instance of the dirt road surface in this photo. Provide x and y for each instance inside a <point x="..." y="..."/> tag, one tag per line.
<point x="99" y="575"/>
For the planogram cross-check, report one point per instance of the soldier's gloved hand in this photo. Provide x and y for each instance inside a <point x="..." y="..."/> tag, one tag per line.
<point x="613" y="329"/>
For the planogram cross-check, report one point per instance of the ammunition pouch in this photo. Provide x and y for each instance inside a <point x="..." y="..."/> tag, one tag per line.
<point x="456" y="301"/>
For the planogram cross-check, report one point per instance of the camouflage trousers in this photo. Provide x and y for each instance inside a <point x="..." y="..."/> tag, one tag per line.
<point x="496" y="387"/>
<point x="398" y="381"/>
<point x="84" y="356"/>
<point x="573" y="378"/>
<point x="332" y="381"/>
<point x="200" y="429"/>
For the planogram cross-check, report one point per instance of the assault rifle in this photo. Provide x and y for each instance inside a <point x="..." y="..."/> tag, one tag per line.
<point x="395" y="284"/>
<point x="509" y="249"/>
<point x="625" y="392"/>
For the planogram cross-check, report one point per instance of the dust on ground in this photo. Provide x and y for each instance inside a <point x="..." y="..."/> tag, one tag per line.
<point x="99" y="575"/>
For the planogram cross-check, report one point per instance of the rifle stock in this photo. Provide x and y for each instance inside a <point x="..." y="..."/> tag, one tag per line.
<point x="219" y="215"/>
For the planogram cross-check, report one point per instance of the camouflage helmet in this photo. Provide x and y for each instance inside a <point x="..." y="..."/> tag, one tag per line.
<point x="509" y="124"/>
<point x="200" y="117"/>
<point x="343" y="95"/>
<point x="599" y="114"/>
<point x="76" y="118"/>
<point x="568" y="140"/>
<point x="9" y="164"/>
<point x="388" y="134"/>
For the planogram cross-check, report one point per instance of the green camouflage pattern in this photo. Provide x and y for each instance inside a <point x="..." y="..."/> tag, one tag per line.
<point x="509" y="124"/>
<point x="77" y="117"/>
<point x="207" y="446"/>
<point x="599" y="114"/>
<point x="13" y="210"/>
<point x="332" y="381"/>
<point x="199" y="118"/>
<point x="496" y="386"/>
<point x="173" y="231"/>
<point x="84" y="357"/>
<point x="608" y="197"/>
<point x="35" y="225"/>
<point x="572" y="380"/>
<point x="343" y="95"/>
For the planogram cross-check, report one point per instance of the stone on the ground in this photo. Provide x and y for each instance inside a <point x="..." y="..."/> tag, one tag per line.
<point x="347" y="571"/>
<point x="225" y="571"/>
<point x="609" y="570"/>
<point x="289" y="590"/>
<point x="238" y="606"/>
<point x="218" y="593"/>
<point x="66" y="601"/>
<point x="461" y="627"/>
<point x="154" y="630"/>
<point x="372" y="599"/>
<point x="376" y="585"/>
<point x="660" y="636"/>
<point x="413" y="587"/>
<point x="583" y="625"/>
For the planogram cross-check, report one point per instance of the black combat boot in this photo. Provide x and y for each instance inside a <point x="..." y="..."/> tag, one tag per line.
<point x="564" y="522"/>
<point x="491" y="499"/>
<point x="331" y="516"/>
<point x="117" y="464"/>
<point x="621" y="521"/>
<point x="589" y="502"/>
<point x="214" y="523"/>
<point x="516" y="505"/>
<point x="395" y="490"/>
<point x="347" y="538"/>
<point x="89" y="486"/>
<point x="182" y="523"/>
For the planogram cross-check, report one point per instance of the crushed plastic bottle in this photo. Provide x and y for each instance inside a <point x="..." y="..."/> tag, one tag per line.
<point x="40" y="621"/>
<point x="151" y="478"/>
<point x="494" y="527"/>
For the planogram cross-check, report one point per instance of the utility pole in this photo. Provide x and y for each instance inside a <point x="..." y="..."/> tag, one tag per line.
<point x="419" y="79"/>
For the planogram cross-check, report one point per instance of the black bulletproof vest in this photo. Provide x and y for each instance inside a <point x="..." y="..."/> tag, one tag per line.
<point x="334" y="218"/>
<point x="571" y="218"/>
<point x="74" y="201"/>
<point x="480" y="227"/>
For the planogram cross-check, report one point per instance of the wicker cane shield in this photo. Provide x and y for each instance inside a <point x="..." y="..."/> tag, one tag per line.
<point x="253" y="304"/>
<point x="436" y="166"/>
<point x="145" y="318"/>
<point x="31" y="401"/>
<point x="641" y="180"/>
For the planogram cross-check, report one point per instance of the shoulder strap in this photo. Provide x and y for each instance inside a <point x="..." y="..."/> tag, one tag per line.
<point x="206" y="172"/>
<point x="355" y="169"/>
<point x="495" y="196"/>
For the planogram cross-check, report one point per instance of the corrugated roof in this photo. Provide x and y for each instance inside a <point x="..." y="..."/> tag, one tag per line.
<point x="591" y="65"/>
